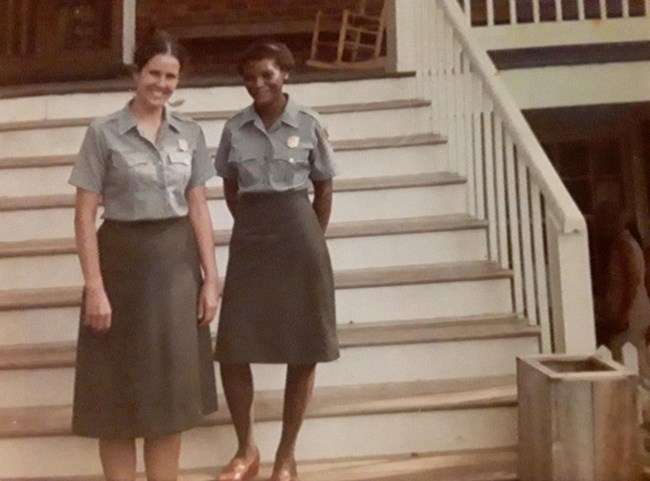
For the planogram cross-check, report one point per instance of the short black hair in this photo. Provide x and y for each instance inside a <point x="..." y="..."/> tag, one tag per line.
<point x="261" y="50"/>
<point x="160" y="42"/>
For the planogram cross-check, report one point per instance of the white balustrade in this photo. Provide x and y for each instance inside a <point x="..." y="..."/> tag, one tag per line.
<point x="584" y="10"/>
<point x="535" y="229"/>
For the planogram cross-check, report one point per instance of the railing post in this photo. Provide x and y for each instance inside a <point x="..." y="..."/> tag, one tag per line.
<point x="128" y="31"/>
<point x="402" y="39"/>
<point x="570" y="290"/>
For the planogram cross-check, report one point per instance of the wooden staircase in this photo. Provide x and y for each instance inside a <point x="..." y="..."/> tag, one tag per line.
<point x="428" y="333"/>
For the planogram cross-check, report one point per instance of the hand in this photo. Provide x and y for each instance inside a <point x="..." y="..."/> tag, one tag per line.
<point x="208" y="303"/>
<point x="97" y="312"/>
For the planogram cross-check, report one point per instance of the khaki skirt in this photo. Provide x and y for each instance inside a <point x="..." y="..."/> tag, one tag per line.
<point x="152" y="373"/>
<point x="278" y="301"/>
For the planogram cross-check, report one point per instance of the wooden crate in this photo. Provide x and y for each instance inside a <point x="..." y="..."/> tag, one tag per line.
<point x="577" y="420"/>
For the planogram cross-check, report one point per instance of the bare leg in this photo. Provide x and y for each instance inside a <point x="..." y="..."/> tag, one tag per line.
<point x="118" y="459"/>
<point x="237" y="380"/>
<point x="297" y="394"/>
<point x="161" y="457"/>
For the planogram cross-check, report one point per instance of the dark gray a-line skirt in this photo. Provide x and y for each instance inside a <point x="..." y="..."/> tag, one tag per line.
<point x="152" y="373"/>
<point x="278" y="301"/>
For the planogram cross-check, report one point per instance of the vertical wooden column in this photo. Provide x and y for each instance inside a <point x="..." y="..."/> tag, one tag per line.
<point x="128" y="30"/>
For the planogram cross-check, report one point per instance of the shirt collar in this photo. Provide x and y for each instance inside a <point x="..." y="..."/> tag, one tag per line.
<point x="172" y="120"/>
<point x="127" y="121"/>
<point x="289" y="116"/>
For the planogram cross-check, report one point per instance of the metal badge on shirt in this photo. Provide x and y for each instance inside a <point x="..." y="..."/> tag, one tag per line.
<point x="293" y="142"/>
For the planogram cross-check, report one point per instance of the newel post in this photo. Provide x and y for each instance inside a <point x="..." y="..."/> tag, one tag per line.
<point x="572" y="311"/>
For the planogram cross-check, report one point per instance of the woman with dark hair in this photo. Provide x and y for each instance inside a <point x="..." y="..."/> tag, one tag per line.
<point x="278" y="303"/>
<point x="144" y="356"/>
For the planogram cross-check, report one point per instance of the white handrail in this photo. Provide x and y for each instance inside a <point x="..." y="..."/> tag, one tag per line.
<point x="550" y="183"/>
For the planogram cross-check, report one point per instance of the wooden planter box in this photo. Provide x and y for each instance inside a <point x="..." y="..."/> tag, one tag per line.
<point x="577" y="420"/>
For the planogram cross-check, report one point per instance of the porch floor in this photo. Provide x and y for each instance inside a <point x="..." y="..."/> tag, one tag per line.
<point x="301" y="75"/>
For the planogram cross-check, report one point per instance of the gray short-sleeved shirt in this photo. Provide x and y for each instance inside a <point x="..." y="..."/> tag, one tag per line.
<point x="285" y="157"/>
<point x="137" y="179"/>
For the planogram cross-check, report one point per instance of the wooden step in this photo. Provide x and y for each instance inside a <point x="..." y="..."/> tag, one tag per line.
<point x="344" y="185"/>
<point x="469" y="465"/>
<point x="328" y="401"/>
<point x="352" y="245"/>
<point x="57" y="355"/>
<point x="355" y="278"/>
<point x="420" y="417"/>
<point x="424" y="274"/>
<point x="47" y="124"/>
<point x="405" y="351"/>
<point x="339" y="146"/>
<point x="340" y="230"/>
<point x="378" y="119"/>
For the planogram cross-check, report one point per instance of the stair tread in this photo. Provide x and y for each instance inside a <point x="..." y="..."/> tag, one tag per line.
<point x="487" y="391"/>
<point x="343" y="185"/>
<point x="62" y="354"/>
<point x="339" y="145"/>
<point x="494" y="464"/>
<point x="352" y="278"/>
<point x="425" y="273"/>
<point x="337" y="230"/>
<point x="220" y="114"/>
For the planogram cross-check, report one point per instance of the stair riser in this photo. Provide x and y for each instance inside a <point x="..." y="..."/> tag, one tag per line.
<point x="346" y="253"/>
<point x="348" y="206"/>
<point x="321" y="438"/>
<point x="38" y="325"/>
<point x="424" y="301"/>
<point x="358" y="365"/>
<point x="372" y="304"/>
<point x="359" y="305"/>
<point x="351" y="164"/>
<point x="392" y="161"/>
<point x="204" y="99"/>
<point x="352" y="125"/>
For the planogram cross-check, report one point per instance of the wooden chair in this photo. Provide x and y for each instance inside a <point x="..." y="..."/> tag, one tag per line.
<point x="360" y="37"/>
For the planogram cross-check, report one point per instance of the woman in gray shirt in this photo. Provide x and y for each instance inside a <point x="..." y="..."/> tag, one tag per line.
<point x="144" y="357"/>
<point x="278" y="303"/>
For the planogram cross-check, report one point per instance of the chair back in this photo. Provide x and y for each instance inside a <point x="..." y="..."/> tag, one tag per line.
<point x="371" y="7"/>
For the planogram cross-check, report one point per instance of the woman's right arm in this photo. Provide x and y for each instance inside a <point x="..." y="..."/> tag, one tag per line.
<point x="97" y="313"/>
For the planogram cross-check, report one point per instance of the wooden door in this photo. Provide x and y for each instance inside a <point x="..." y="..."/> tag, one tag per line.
<point x="46" y="40"/>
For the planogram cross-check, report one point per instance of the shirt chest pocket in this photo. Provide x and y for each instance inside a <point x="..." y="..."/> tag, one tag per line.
<point x="135" y="170"/>
<point x="290" y="167"/>
<point x="179" y="169"/>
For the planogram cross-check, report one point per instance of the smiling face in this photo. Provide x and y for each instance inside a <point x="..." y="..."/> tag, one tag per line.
<point x="264" y="80"/>
<point x="157" y="80"/>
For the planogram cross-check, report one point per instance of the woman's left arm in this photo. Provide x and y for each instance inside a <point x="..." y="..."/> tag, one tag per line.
<point x="323" y="201"/>
<point x="202" y="224"/>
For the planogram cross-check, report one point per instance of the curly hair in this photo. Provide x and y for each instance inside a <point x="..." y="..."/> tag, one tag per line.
<point x="261" y="50"/>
